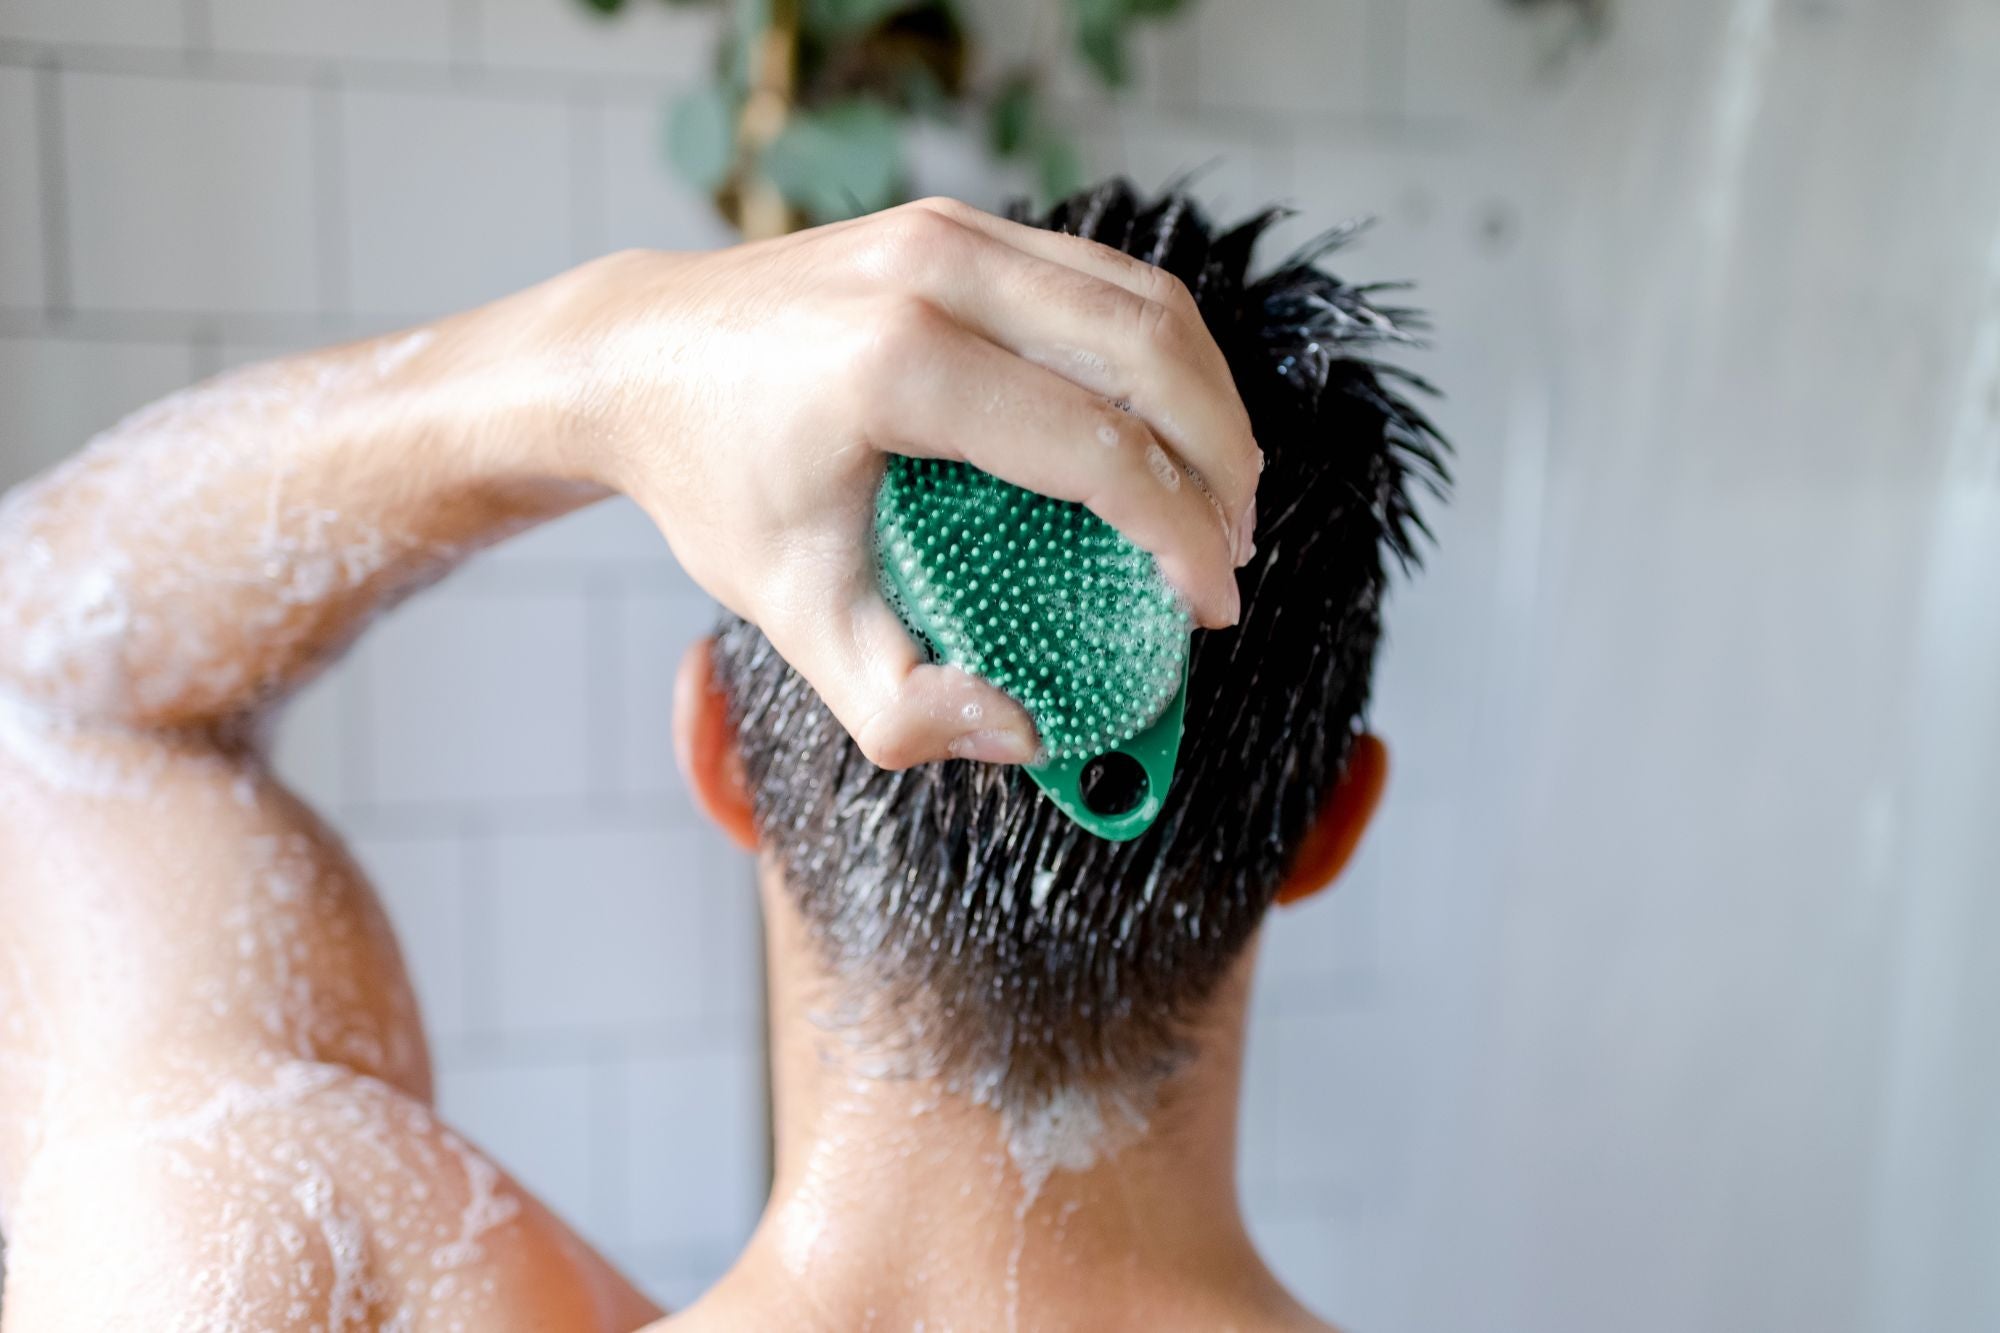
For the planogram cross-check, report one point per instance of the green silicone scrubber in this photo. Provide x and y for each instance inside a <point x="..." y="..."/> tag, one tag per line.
<point x="1049" y="603"/>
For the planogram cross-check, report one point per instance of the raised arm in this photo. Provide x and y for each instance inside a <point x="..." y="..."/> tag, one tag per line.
<point x="213" y="1087"/>
<point x="200" y="557"/>
<point x="194" y="561"/>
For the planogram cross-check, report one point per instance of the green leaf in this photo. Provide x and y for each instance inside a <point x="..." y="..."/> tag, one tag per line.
<point x="1103" y="48"/>
<point x="1012" y="116"/>
<point x="923" y="94"/>
<point x="835" y="17"/>
<point x="605" y="6"/>
<point x="1061" y="167"/>
<point x="701" y="137"/>
<point x="1154" y="9"/>
<point x="839" y="161"/>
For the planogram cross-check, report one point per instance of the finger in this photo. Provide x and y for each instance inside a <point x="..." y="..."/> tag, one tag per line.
<point x="900" y="710"/>
<point x="1077" y="252"/>
<point x="1110" y="323"/>
<point x="1194" y="407"/>
<point x="948" y="393"/>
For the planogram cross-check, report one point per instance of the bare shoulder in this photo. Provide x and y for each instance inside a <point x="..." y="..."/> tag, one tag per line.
<point x="303" y="1196"/>
<point x="215" y="1110"/>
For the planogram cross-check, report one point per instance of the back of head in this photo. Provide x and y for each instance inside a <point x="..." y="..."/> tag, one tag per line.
<point x="971" y="926"/>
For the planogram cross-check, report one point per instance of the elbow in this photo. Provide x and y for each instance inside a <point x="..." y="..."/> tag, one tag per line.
<point x="68" y="621"/>
<point x="65" y="637"/>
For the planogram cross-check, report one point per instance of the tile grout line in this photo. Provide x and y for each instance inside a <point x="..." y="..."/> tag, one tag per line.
<point x="58" y="292"/>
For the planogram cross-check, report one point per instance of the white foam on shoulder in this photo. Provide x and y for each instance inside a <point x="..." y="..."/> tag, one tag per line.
<point x="485" y="1207"/>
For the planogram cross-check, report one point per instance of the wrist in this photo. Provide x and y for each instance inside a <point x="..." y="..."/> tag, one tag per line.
<point x="602" y="355"/>
<point x="505" y="386"/>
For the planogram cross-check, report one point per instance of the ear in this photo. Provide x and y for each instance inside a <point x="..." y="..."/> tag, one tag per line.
<point x="1343" y="818"/>
<point x="705" y="744"/>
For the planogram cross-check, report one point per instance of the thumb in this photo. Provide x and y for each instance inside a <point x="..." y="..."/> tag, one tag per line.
<point x="899" y="709"/>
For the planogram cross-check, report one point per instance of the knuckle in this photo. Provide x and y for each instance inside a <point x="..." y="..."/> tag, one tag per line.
<point x="1095" y="300"/>
<point x="1166" y="289"/>
<point x="916" y="326"/>
<point x="909" y="241"/>
<point x="1089" y="248"/>
<point x="1172" y="319"/>
<point x="887" y="742"/>
<point x="1158" y="325"/>
<point x="905" y="331"/>
<point x="1124" y="433"/>
<point x="956" y="211"/>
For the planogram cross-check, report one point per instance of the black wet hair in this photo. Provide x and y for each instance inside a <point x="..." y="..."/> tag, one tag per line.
<point x="963" y="915"/>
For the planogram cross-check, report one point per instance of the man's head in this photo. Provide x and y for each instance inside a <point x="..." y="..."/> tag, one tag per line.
<point x="967" y="919"/>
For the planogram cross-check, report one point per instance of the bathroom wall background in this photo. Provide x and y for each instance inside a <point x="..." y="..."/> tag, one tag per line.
<point x="1662" y="996"/>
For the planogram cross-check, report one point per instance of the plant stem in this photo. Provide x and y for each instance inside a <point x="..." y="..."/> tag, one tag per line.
<point x="774" y="84"/>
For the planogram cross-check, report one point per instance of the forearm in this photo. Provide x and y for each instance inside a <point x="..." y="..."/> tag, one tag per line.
<point x="201" y="557"/>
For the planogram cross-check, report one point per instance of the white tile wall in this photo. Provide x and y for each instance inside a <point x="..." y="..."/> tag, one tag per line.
<point x="453" y="199"/>
<point x="425" y="883"/>
<point x="698" y="1131"/>
<point x="57" y="392"/>
<point x="478" y="696"/>
<point x="601" y="929"/>
<point x="653" y="629"/>
<point x="1322" y="951"/>
<point x="1307" y="1251"/>
<point x="614" y="532"/>
<point x="1307" y="1137"/>
<point x="671" y="43"/>
<point x="21" y="257"/>
<point x="539" y="1118"/>
<point x="1466" y="57"/>
<point x="190" y="196"/>
<point x="1291" y="57"/>
<point x="315" y="745"/>
<point x="644" y="205"/>
<point x="143" y="23"/>
<point x="404" y="30"/>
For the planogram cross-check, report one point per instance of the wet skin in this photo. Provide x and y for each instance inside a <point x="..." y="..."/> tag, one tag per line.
<point x="214" y="1088"/>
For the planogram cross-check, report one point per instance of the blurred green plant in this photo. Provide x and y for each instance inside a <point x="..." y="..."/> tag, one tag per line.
<point x="805" y="119"/>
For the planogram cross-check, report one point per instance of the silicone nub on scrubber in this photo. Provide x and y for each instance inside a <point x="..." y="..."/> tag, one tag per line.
<point x="1049" y="603"/>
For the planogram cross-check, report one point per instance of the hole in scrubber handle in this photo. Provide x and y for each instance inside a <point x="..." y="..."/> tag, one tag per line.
<point x="1113" y="784"/>
<point x="1152" y="752"/>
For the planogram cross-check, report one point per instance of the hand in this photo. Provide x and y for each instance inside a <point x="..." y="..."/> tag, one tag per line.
<point x="745" y="398"/>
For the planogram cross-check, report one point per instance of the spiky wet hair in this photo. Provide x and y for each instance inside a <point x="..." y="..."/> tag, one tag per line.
<point x="1014" y="953"/>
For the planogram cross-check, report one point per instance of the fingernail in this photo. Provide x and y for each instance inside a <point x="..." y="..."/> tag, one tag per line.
<point x="1234" y="604"/>
<point x="992" y="747"/>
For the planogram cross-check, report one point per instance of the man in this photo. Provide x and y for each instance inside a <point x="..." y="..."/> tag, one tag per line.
<point x="1005" y="1053"/>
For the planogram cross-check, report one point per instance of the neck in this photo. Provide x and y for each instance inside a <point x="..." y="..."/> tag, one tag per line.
<point x="900" y="1203"/>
